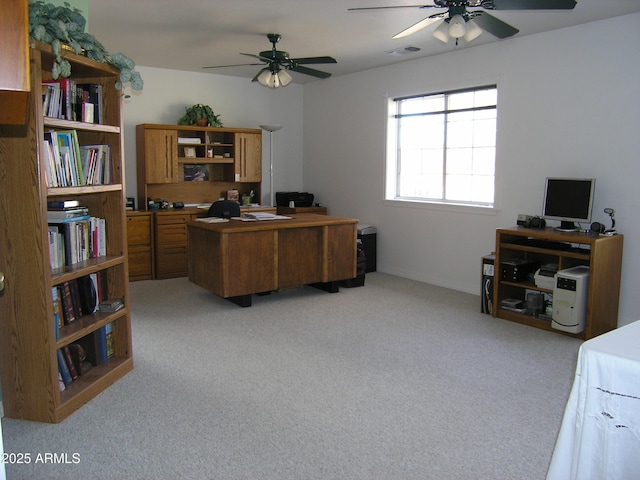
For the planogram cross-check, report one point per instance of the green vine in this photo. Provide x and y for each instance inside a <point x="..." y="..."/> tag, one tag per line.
<point x="63" y="25"/>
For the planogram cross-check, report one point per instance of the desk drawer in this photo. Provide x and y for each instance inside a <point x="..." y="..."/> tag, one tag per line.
<point x="175" y="233"/>
<point x="140" y="263"/>
<point x="173" y="218"/>
<point x="171" y="261"/>
<point x="139" y="230"/>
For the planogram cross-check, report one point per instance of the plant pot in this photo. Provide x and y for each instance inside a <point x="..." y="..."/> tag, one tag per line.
<point x="202" y="122"/>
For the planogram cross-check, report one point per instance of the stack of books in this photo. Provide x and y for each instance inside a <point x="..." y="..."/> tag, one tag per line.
<point x="74" y="235"/>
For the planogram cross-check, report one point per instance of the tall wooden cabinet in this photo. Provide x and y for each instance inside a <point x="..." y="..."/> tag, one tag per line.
<point x="196" y="165"/>
<point x="28" y="341"/>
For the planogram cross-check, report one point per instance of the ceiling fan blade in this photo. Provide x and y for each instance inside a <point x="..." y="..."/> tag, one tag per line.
<point x="494" y="25"/>
<point x="311" y="71"/>
<point x="264" y="59"/>
<point x="316" y="60"/>
<point x="529" y="4"/>
<point x="362" y="9"/>
<point x="236" y="65"/>
<point x="416" y="27"/>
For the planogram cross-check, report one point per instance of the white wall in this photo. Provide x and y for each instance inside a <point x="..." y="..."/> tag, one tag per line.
<point x="568" y="106"/>
<point x="239" y="102"/>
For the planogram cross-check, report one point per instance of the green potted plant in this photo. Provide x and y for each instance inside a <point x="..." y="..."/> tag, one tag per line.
<point x="62" y="26"/>
<point x="201" y="115"/>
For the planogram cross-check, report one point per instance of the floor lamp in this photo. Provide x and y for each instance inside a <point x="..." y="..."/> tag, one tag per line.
<point x="271" y="129"/>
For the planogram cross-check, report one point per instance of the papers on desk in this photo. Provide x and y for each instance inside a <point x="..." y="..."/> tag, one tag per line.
<point x="259" y="216"/>
<point x="212" y="220"/>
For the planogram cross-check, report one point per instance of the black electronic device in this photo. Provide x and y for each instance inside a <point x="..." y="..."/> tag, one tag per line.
<point x="568" y="200"/>
<point x="178" y="205"/>
<point x="299" y="199"/>
<point x="537" y="222"/>
<point x="517" y="269"/>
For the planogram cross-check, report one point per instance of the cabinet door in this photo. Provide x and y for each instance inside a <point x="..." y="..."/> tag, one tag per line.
<point x="248" y="157"/>
<point x="161" y="156"/>
<point x="14" y="68"/>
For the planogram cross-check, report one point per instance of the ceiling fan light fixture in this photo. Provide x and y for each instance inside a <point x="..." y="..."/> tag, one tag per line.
<point x="264" y="77"/>
<point x="473" y="31"/>
<point x="269" y="79"/>
<point x="442" y="32"/>
<point x="285" y="77"/>
<point x="457" y="27"/>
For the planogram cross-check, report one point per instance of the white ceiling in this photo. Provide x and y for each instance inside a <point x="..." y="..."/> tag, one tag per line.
<point x="190" y="34"/>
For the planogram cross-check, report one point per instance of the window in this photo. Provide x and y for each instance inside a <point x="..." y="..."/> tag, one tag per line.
<point x="443" y="147"/>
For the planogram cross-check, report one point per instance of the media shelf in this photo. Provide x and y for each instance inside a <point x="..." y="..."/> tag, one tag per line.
<point x="603" y="255"/>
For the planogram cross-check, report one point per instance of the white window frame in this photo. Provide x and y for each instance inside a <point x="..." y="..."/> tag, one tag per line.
<point x="392" y="161"/>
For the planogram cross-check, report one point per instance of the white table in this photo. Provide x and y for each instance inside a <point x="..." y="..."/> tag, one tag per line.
<point x="600" y="434"/>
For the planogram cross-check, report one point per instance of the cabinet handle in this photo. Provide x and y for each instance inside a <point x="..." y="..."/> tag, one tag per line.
<point x="168" y="161"/>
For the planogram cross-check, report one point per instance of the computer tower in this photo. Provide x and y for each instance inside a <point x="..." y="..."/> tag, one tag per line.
<point x="570" y="299"/>
<point x="486" y="292"/>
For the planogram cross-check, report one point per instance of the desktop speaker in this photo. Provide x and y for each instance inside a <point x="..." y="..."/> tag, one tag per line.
<point x="597" y="227"/>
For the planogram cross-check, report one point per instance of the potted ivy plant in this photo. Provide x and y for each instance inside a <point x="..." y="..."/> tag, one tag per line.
<point x="201" y="115"/>
<point x="63" y="27"/>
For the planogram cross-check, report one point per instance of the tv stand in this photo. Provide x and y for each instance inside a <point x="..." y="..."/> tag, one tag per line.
<point x="566" y="226"/>
<point x="602" y="253"/>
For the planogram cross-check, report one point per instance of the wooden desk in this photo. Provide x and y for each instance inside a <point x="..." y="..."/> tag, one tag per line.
<point x="236" y="259"/>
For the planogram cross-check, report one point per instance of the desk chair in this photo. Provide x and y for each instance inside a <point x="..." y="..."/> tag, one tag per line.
<point x="224" y="209"/>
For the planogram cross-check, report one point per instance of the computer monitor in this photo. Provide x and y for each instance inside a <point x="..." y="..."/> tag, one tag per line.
<point x="568" y="200"/>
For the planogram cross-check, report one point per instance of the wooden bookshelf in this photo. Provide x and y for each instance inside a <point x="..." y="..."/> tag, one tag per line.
<point x="28" y="344"/>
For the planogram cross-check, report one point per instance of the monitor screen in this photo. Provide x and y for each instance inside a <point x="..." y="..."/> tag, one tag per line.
<point x="568" y="200"/>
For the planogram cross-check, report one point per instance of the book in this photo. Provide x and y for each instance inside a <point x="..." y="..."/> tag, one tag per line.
<point x="63" y="368"/>
<point x="57" y="313"/>
<point x="68" y="213"/>
<point x="101" y="339"/>
<point x="63" y="204"/>
<point x="112" y="305"/>
<point x="68" y="312"/>
<point x="69" y="361"/>
<point x="110" y="341"/>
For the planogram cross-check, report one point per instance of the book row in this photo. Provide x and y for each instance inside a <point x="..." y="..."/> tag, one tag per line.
<point x="66" y="99"/>
<point x="72" y="300"/>
<point x="75" y="239"/>
<point x="75" y="298"/>
<point x="69" y="164"/>
<point x="76" y="359"/>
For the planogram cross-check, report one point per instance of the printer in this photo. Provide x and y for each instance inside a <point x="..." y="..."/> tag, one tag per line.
<point x="299" y="199"/>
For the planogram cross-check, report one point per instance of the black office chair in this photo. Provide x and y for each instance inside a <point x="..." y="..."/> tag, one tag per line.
<point x="224" y="209"/>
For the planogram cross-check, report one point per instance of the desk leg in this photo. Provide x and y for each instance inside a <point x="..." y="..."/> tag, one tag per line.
<point x="331" y="287"/>
<point x="241" y="300"/>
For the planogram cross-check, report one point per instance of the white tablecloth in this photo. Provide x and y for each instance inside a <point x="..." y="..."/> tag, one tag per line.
<point x="599" y="437"/>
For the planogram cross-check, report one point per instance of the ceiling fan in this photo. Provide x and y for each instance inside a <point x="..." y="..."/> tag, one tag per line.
<point x="277" y="62"/>
<point x="458" y="22"/>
